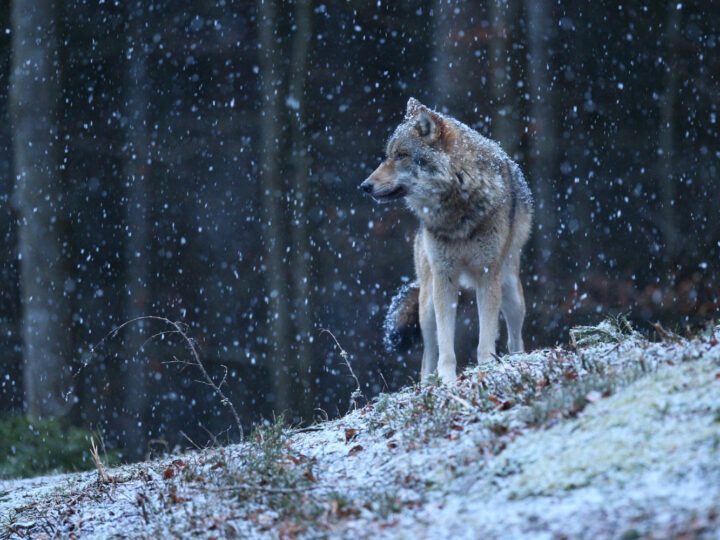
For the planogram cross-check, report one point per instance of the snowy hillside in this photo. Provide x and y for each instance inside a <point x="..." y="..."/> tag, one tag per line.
<point x="613" y="437"/>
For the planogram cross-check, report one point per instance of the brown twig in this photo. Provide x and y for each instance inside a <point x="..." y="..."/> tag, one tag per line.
<point x="603" y="355"/>
<point x="385" y="384"/>
<point x="102" y="475"/>
<point x="255" y="487"/>
<point x="665" y="335"/>
<point x="189" y="439"/>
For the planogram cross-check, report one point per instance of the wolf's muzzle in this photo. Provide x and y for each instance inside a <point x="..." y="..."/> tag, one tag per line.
<point x="366" y="187"/>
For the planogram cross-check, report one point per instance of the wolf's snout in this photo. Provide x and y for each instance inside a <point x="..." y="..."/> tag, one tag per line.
<point x="366" y="187"/>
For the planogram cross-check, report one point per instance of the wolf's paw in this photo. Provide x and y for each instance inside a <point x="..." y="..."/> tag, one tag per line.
<point x="486" y="357"/>
<point x="430" y="379"/>
<point x="447" y="375"/>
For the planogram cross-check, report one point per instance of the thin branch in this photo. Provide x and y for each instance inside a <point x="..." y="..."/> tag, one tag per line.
<point x="196" y="356"/>
<point x="176" y="360"/>
<point x="357" y="393"/>
<point x="385" y="384"/>
<point x="159" y="334"/>
<point x="255" y="487"/>
<point x="222" y="381"/>
<point x="181" y="329"/>
<point x="213" y="438"/>
<point x="616" y="347"/>
<point x="189" y="439"/>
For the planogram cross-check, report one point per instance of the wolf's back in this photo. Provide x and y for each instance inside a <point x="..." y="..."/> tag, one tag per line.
<point x="402" y="321"/>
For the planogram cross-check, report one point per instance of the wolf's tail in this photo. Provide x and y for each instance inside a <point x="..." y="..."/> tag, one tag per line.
<point x="402" y="322"/>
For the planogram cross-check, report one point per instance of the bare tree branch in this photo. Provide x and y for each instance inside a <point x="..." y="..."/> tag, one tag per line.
<point x="178" y="328"/>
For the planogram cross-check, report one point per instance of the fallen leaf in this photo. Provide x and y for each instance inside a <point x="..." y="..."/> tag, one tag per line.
<point x="499" y="429"/>
<point x="355" y="450"/>
<point x="289" y="529"/>
<point x="169" y="473"/>
<point x="309" y="475"/>
<point x="350" y="434"/>
<point x="176" y="498"/>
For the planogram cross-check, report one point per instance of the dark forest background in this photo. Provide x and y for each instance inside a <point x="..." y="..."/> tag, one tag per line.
<point x="199" y="160"/>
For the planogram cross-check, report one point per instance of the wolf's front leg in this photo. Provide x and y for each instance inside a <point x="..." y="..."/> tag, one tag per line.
<point x="488" y="303"/>
<point x="428" y="328"/>
<point x="445" y="295"/>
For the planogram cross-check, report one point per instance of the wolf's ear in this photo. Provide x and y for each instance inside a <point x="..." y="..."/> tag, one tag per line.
<point x="413" y="107"/>
<point x="426" y="125"/>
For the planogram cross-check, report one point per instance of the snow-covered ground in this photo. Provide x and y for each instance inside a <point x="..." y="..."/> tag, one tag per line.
<point x="616" y="437"/>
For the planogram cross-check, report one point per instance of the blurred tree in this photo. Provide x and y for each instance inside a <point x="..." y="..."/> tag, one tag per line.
<point x="666" y="149"/>
<point x="300" y="189"/>
<point x="40" y="197"/>
<point x="505" y="130"/>
<point x="543" y="145"/>
<point x="138" y="280"/>
<point x="272" y="195"/>
<point x="446" y="56"/>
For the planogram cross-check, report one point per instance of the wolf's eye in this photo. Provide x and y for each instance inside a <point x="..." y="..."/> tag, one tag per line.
<point x="401" y="155"/>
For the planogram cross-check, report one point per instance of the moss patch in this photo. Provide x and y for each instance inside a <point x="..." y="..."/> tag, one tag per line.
<point x="31" y="447"/>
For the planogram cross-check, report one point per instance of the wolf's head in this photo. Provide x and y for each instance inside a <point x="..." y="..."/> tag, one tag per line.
<point x="417" y="161"/>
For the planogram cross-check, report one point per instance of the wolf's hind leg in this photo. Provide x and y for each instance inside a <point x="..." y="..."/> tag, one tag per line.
<point x="513" y="307"/>
<point x="428" y="327"/>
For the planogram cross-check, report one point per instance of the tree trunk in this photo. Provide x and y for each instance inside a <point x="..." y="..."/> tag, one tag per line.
<point x="40" y="198"/>
<point x="504" y="130"/>
<point x="301" y="256"/>
<point x="446" y="57"/>
<point x="137" y="253"/>
<point x="666" y="172"/>
<point x="273" y="208"/>
<point x="543" y="145"/>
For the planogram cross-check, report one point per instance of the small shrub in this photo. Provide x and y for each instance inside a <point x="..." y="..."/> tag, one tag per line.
<point x="611" y="330"/>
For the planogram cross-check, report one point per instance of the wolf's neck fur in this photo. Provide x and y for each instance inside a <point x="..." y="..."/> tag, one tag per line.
<point x="465" y="199"/>
<point x="459" y="214"/>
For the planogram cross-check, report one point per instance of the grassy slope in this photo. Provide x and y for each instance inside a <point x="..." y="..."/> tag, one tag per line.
<point x="616" y="438"/>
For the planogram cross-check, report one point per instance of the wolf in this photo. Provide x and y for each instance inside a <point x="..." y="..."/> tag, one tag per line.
<point x="475" y="211"/>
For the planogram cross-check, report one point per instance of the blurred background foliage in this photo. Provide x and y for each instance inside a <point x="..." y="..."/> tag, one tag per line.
<point x="37" y="446"/>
